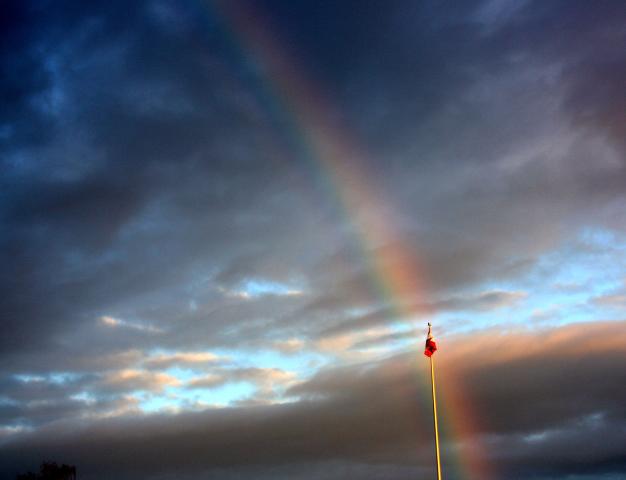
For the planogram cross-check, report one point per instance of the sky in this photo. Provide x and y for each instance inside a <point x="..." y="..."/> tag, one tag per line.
<point x="224" y="226"/>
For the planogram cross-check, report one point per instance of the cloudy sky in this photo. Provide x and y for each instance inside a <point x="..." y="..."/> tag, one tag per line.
<point x="224" y="226"/>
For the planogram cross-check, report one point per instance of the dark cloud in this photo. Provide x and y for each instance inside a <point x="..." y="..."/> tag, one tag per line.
<point x="540" y="395"/>
<point x="181" y="167"/>
<point x="152" y="167"/>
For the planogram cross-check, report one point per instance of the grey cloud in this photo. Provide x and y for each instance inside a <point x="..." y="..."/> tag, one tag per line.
<point x="538" y="393"/>
<point x="37" y="410"/>
<point x="384" y="339"/>
<point x="145" y="165"/>
<point x="268" y="381"/>
<point x="182" y="149"/>
<point x="486" y="301"/>
<point x="615" y="298"/>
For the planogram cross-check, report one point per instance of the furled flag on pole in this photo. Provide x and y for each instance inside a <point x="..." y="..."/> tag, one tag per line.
<point x="431" y="345"/>
<point x="431" y="348"/>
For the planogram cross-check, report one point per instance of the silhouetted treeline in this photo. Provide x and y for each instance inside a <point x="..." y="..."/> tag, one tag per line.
<point x="51" y="471"/>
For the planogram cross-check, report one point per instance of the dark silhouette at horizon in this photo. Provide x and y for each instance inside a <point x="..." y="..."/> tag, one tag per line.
<point x="50" y="471"/>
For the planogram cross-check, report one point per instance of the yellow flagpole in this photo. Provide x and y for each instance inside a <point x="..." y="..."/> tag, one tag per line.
<point x="432" y="380"/>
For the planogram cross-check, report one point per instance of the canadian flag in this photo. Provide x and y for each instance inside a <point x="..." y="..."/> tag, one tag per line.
<point x="431" y="345"/>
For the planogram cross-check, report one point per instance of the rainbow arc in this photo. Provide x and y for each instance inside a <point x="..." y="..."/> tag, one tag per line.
<point x="394" y="264"/>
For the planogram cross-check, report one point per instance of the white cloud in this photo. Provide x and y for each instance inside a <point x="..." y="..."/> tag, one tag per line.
<point x="166" y="360"/>
<point x="131" y="379"/>
<point x="117" y="323"/>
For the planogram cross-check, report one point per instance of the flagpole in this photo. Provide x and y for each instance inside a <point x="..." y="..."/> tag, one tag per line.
<point x="432" y="380"/>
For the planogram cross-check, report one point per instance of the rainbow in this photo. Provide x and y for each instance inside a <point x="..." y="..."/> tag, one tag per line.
<point x="394" y="264"/>
<point x="338" y="155"/>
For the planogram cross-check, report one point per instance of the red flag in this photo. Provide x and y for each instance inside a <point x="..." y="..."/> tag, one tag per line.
<point x="431" y="345"/>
